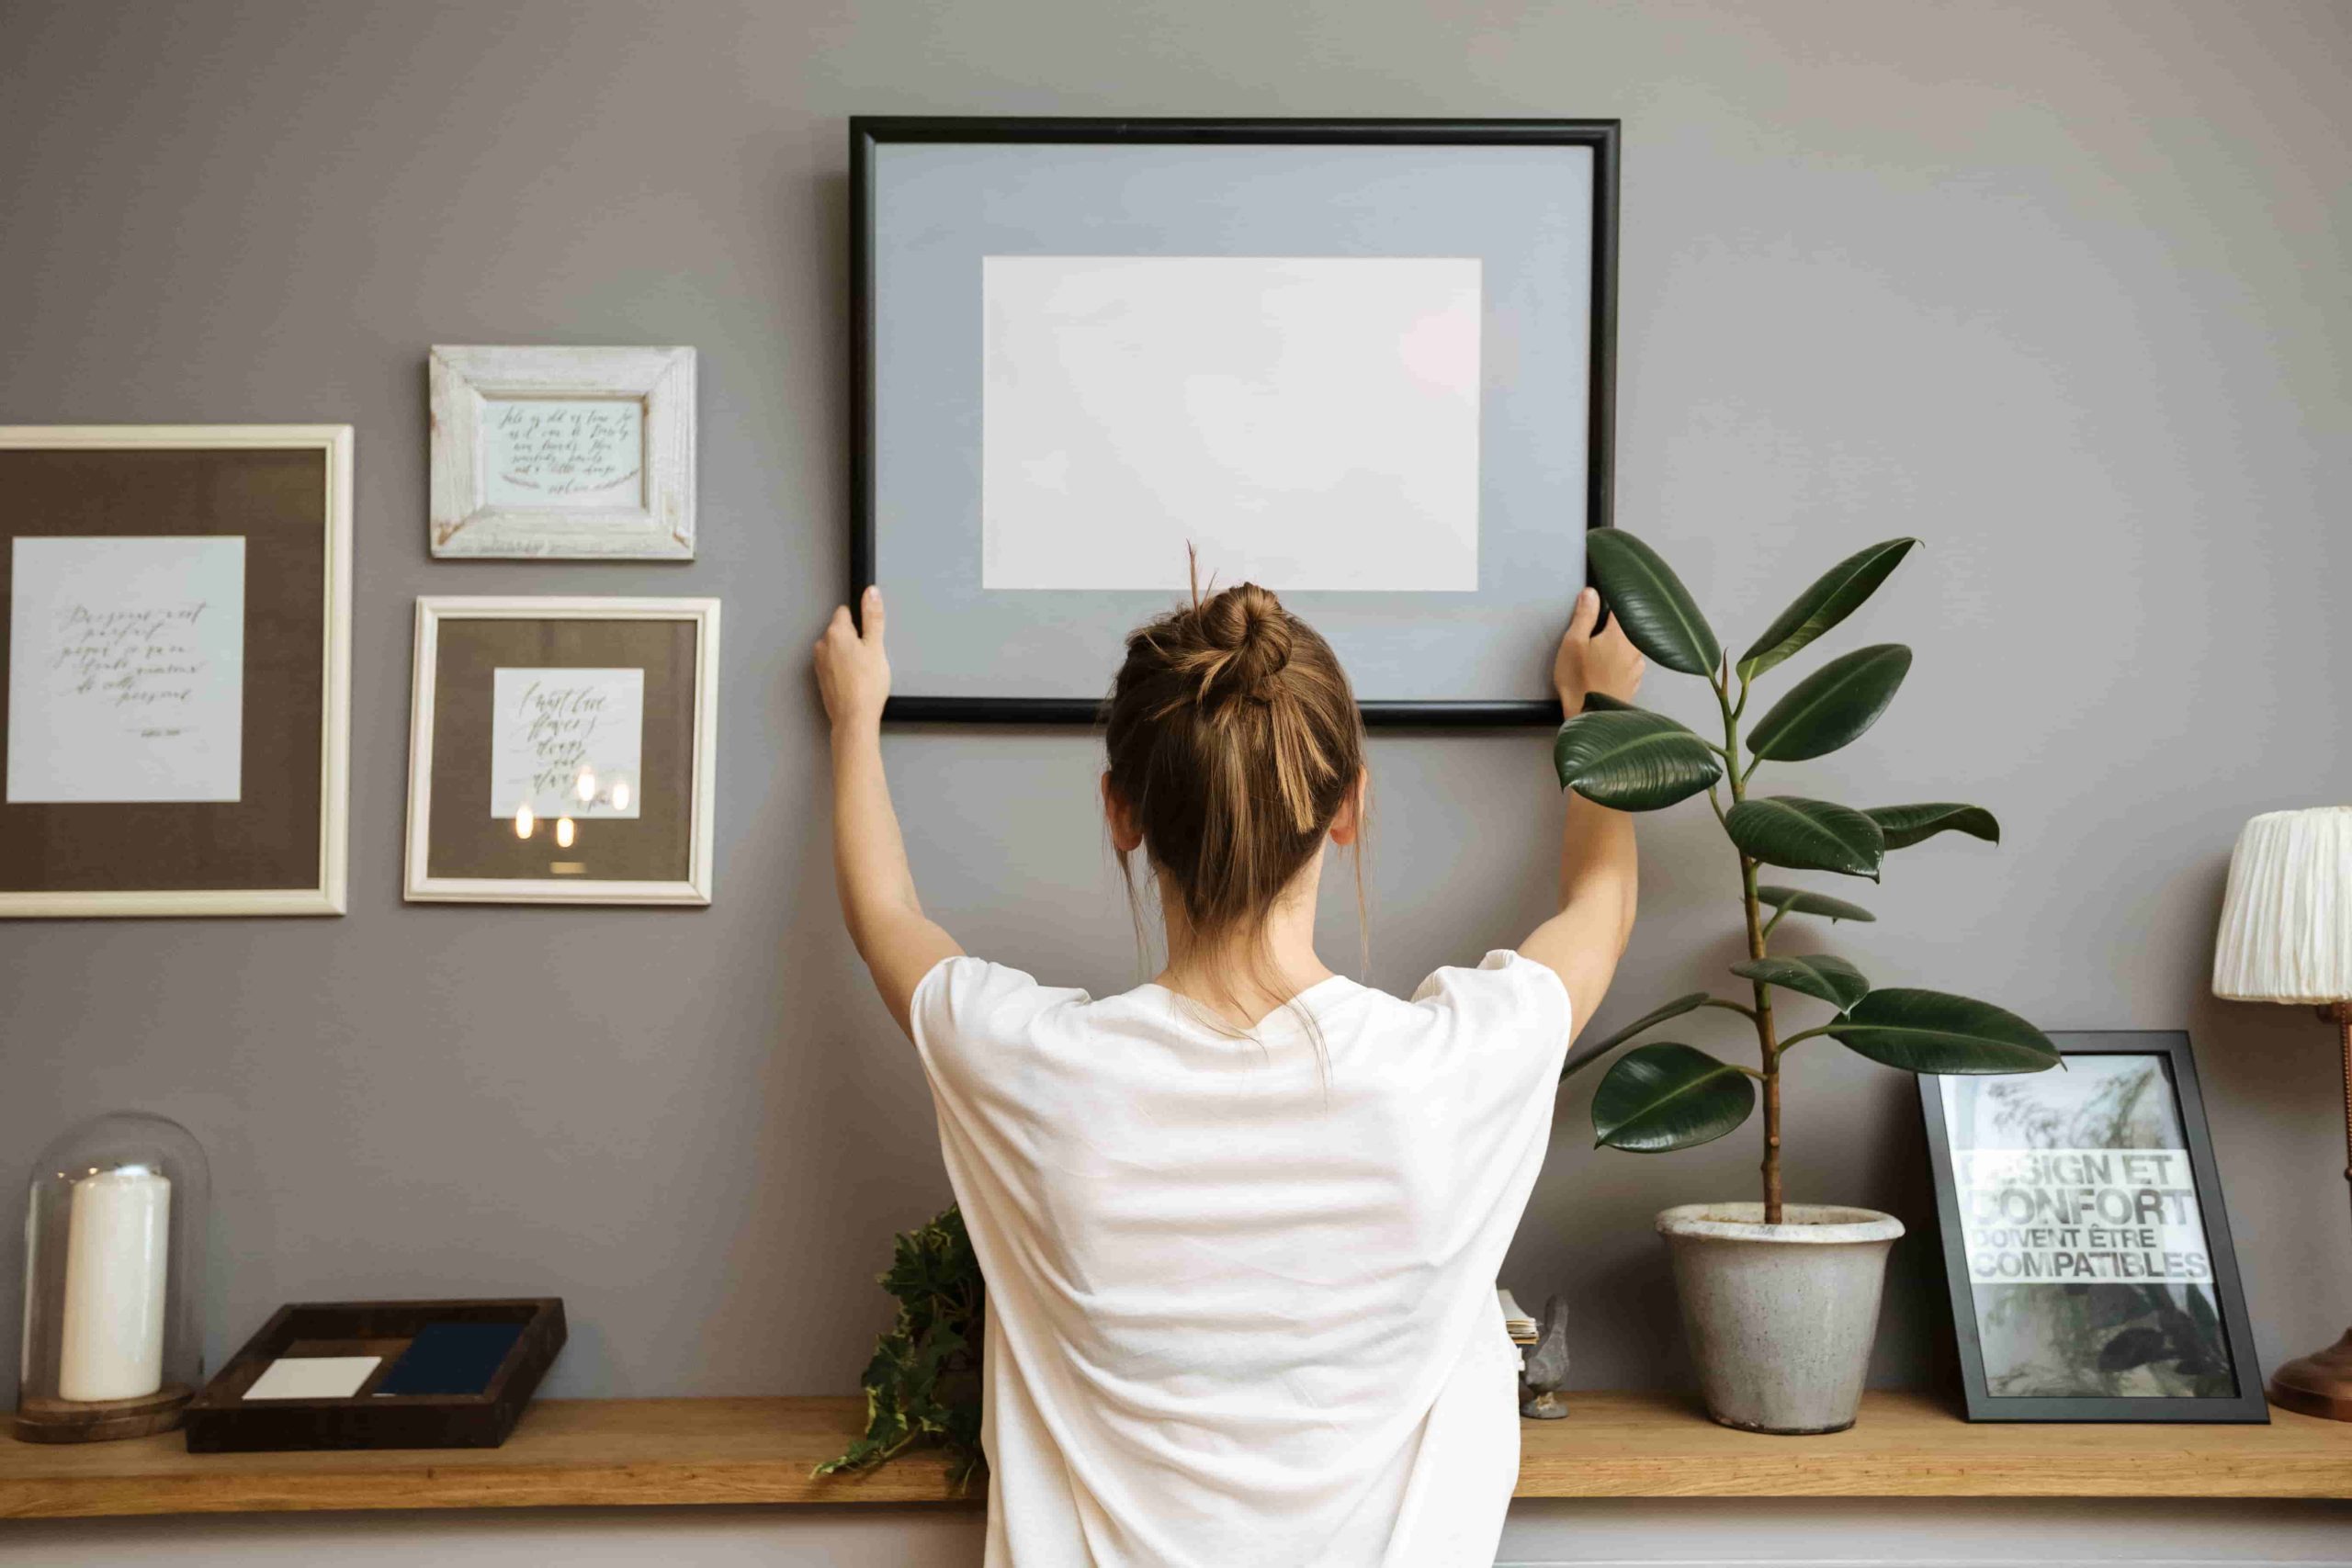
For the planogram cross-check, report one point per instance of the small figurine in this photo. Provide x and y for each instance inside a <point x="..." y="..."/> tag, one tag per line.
<point x="1546" y="1366"/>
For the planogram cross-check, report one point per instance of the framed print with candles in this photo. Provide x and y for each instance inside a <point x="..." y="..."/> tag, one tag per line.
<point x="562" y="751"/>
<point x="1366" y="364"/>
<point x="177" y="681"/>
<point x="2086" y="1247"/>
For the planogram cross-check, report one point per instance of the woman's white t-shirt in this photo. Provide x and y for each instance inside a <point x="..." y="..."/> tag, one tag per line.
<point x="1242" y="1292"/>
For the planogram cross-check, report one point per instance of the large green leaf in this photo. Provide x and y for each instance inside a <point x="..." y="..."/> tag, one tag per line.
<point x="1660" y="614"/>
<point x="1821" y="975"/>
<point x="1934" y="1032"/>
<point x="1903" y="826"/>
<point x="1668" y="1097"/>
<point x="1633" y="759"/>
<point x="1806" y="835"/>
<point x="1585" y="1056"/>
<point x="1839" y="592"/>
<point x="1804" y="901"/>
<point x="1833" y="705"/>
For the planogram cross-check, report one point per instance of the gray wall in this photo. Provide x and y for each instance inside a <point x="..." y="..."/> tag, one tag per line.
<point x="2058" y="286"/>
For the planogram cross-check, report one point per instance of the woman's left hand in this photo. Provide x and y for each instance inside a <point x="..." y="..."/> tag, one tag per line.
<point x="1608" y="663"/>
<point x="853" y="672"/>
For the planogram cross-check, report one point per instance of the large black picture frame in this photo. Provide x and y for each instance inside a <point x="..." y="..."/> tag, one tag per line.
<point x="2246" y="1404"/>
<point x="866" y="132"/>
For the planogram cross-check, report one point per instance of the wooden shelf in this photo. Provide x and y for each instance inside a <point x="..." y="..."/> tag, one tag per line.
<point x="572" y="1452"/>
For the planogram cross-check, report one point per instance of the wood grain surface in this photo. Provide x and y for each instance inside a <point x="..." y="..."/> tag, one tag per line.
<point x="673" y="1451"/>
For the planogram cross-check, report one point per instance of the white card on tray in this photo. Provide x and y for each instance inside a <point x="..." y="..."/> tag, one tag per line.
<point x="314" y="1377"/>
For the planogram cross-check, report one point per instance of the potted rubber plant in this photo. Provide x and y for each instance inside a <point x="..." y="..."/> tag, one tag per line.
<point x="1779" y="1300"/>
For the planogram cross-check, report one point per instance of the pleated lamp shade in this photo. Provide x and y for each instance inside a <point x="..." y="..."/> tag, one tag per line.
<point x="2287" y="919"/>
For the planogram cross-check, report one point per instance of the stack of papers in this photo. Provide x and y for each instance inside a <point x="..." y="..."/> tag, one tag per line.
<point x="1515" y="1319"/>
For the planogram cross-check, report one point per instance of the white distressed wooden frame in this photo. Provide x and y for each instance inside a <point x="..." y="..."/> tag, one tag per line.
<point x="461" y="380"/>
<point x="335" y="661"/>
<point x="420" y="886"/>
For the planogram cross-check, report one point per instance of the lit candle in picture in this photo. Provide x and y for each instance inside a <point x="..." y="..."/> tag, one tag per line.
<point x="116" y="1249"/>
<point x="621" y="795"/>
<point x="525" y="820"/>
<point x="585" y="787"/>
<point x="564" y="831"/>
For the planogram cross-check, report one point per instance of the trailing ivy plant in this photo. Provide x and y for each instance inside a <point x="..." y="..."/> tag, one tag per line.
<point x="923" y="1383"/>
<point x="1671" y="1096"/>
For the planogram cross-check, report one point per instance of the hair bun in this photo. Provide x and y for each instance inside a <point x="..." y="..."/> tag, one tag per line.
<point x="1250" y="628"/>
<point x="1233" y="736"/>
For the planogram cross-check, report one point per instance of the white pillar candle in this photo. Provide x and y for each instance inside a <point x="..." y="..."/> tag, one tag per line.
<point x="116" y="1251"/>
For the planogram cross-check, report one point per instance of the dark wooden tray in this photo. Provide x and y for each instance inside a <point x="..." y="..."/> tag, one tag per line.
<point x="220" y="1420"/>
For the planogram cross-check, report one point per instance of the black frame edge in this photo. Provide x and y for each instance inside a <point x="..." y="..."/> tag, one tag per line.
<point x="1604" y="135"/>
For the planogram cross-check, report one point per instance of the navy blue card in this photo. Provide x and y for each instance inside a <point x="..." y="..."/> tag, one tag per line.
<point x="451" y="1357"/>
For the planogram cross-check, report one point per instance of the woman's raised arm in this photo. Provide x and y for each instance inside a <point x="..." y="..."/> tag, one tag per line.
<point x="899" y="941"/>
<point x="1598" y="876"/>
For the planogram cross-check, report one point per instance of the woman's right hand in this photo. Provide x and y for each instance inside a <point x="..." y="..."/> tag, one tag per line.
<point x="1607" y="664"/>
<point x="853" y="673"/>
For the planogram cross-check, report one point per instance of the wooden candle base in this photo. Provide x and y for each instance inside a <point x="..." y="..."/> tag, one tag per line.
<point x="2320" y="1383"/>
<point x="45" y="1420"/>
<point x="2317" y="1385"/>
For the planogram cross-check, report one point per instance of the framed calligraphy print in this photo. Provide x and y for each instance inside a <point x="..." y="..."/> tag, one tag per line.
<point x="1367" y="363"/>
<point x="2086" y="1244"/>
<point x="561" y="750"/>
<point x="563" y="452"/>
<point x="175" y="712"/>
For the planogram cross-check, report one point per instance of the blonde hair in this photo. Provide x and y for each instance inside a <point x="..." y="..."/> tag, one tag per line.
<point x="1234" y="738"/>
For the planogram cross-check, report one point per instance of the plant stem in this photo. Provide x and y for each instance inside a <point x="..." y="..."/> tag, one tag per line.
<point x="1766" y="1044"/>
<point x="1769" y="1048"/>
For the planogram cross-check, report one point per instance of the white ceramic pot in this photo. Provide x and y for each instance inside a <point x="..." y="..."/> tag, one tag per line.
<point x="1781" y="1318"/>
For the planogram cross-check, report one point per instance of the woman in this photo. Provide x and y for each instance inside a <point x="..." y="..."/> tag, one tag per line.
<point x="1240" y="1224"/>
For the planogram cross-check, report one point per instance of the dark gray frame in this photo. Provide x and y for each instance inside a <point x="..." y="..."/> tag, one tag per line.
<point x="2247" y="1404"/>
<point x="867" y="131"/>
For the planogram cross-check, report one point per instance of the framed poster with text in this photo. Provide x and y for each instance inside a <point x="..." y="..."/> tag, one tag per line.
<point x="562" y="751"/>
<point x="2085" y="1243"/>
<point x="176" y="727"/>
<point x="1366" y="364"/>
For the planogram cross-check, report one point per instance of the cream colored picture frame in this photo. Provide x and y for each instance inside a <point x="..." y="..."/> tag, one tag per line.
<point x="421" y="886"/>
<point x="329" y="894"/>
<point x="480" y="510"/>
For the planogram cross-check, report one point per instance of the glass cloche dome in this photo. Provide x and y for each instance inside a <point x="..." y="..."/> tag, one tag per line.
<point x="113" y="1341"/>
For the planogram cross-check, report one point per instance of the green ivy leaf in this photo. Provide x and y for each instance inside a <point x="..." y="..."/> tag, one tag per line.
<point x="922" y="1383"/>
